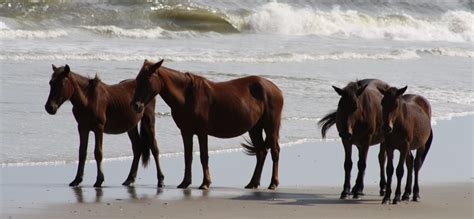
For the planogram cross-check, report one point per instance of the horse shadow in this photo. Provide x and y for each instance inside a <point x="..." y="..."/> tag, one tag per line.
<point x="302" y="199"/>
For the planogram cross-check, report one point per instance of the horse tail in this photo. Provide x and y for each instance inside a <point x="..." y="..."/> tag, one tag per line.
<point x="326" y="122"/>
<point x="251" y="147"/>
<point x="145" y="143"/>
<point x="427" y="146"/>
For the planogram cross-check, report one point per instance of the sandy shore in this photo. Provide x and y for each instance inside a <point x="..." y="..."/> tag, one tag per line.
<point x="311" y="178"/>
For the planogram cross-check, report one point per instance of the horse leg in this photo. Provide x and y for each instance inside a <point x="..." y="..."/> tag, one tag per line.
<point x="147" y="128"/>
<point x="98" y="156"/>
<point x="135" y="139"/>
<point x="272" y="141"/>
<point x="203" y="150"/>
<point x="188" y="159"/>
<point x="418" y="164"/>
<point x="382" y="158"/>
<point x="347" y="169"/>
<point x="358" y="189"/>
<point x="404" y="150"/>
<point x="83" y="139"/>
<point x="388" y="189"/>
<point x="261" y="153"/>
<point x="409" y="163"/>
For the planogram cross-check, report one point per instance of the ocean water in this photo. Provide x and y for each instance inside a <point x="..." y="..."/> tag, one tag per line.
<point x="302" y="46"/>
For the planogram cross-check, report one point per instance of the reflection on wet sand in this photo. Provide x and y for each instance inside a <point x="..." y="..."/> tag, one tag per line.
<point x="85" y="194"/>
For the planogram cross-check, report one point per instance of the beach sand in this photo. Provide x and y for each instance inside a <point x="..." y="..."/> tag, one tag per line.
<point x="311" y="177"/>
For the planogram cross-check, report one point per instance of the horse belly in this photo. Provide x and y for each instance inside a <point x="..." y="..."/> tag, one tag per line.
<point x="118" y="123"/>
<point x="231" y="125"/>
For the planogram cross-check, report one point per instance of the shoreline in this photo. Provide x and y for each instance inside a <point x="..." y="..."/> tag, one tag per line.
<point x="447" y="118"/>
<point x="311" y="177"/>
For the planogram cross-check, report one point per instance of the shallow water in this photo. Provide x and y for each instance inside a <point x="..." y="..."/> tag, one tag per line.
<point x="302" y="47"/>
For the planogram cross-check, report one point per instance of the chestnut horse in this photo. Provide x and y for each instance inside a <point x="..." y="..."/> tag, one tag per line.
<point x="224" y="110"/>
<point x="407" y="124"/>
<point x="358" y="119"/>
<point x="100" y="108"/>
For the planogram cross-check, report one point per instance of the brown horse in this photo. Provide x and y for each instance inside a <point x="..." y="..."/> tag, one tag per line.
<point x="100" y="108"/>
<point x="358" y="119"/>
<point x="224" y="110"/>
<point x="407" y="124"/>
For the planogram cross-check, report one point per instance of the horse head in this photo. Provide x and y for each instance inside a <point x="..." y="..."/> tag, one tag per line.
<point x="61" y="88"/>
<point x="348" y="108"/>
<point x="148" y="85"/>
<point x="390" y="106"/>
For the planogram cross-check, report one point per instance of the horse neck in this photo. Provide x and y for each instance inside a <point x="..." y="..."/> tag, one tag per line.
<point x="80" y="83"/>
<point x="173" y="86"/>
<point x="401" y="116"/>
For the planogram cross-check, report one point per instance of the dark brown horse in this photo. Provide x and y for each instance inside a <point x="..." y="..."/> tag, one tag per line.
<point x="358" y="119"/>
<point x="224" y="110"/>
<point x="100" y="108"/>
<point x="407" y="124"/>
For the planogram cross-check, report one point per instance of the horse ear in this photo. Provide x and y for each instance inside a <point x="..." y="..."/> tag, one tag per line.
<point x="381" y="91"/>
<point x="67" y="70"/>
<point x="338" y="90"/>
<point x="401" y="90"/>
<point x="54" y="67"/>
<point x="361" y="90"/>
<point x="156" y="66"/>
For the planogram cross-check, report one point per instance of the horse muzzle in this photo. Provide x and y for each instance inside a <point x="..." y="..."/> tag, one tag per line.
<point x="51" y="108"/>
<point x="387" y="128"/>
<point x="137" y="106"/>
<point x="345" y="135"/>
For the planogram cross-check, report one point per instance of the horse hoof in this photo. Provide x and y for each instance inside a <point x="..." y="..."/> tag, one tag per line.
<point x="184" y="185"/>
<point x="128" y="182"/>
<point x="98" y="184"/>
<point x="272" y="187"/>
<point x="204" y="187"/>
<point x="252" y="186"/>
<point x="161" y="185"/>
<point x="356" y="196"/>
<point x="406" y="197"/>
<point x="416" y="198"/>
<point x="382" y="192"/>
<point x="344" y="195"/>
<point x="395" y="201"/>
<point x="385" y="201"/>
<point x="75" y="182"/>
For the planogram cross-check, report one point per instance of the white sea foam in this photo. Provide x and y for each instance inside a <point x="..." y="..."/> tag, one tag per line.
<point x="281" y="18"/>
<point x="215" y="57"/>
<point x="6" y="33"/>
<point x="3" y="26"/>
<point x="453" y="52"/>
<point x="450" y="116"/>
<point x="114" y="31"/>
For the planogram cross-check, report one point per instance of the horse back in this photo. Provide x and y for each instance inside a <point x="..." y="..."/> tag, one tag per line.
<point x="419" y="102"/>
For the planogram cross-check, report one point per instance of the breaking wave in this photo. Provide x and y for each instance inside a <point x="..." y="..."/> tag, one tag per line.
<point x="154" y="20"/>
<point x="282" y="18"/>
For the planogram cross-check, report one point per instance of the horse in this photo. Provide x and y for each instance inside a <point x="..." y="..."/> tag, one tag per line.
<point x="358" y="119"/>
<point x="221" y="109"/>
<point x="103" y="108"/>
<point x="407" y="126"/>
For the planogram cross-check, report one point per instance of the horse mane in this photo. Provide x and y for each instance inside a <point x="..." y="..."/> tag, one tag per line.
<point x="197" y="81"/>
<point x="93" y="82"/>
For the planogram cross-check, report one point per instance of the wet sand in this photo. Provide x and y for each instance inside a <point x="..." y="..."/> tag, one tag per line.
<point x="310" y="173"/>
